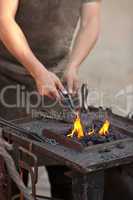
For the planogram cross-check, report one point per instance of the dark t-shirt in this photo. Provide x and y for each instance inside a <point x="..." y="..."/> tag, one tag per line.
<point x="48" y="26"/>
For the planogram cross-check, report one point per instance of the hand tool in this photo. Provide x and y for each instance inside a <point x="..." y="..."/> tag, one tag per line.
<point x="68" y="101"/>
<point x="84" y="96"/>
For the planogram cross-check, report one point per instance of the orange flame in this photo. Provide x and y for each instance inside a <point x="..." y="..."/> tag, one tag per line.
<point x="77" y="129"/>
<point x="105" y="128"/>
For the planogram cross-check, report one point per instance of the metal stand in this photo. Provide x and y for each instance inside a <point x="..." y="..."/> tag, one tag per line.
<point x="84" y="186"/>
<point x="33" y="171"/>
<point x="88" y="187"/>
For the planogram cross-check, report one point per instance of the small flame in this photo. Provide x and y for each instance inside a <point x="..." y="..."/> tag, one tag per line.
<point x="78" y="129"/>
<point x="105" y="128"/>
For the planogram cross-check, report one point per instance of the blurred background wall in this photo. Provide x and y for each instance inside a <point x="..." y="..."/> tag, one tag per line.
<point x="109" y="68"/>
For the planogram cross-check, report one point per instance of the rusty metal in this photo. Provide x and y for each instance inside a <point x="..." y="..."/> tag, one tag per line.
<point x="33" y="170"/>
<point x="12" y="172"/>
<point x="117" y="152"/>
<point x="60" y="139"/>
<point x="25" y="156"/>
<point x="83" y="163"/>
<point x="25" y="132"/>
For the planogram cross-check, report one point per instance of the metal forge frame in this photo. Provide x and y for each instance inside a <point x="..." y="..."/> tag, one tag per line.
<point x="87" y="166"/>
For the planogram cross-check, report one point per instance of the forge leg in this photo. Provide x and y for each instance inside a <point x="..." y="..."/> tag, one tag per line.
<point x="88" y="187"/>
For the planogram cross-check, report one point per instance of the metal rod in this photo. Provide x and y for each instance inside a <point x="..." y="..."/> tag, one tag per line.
<point x="25" y="132"/>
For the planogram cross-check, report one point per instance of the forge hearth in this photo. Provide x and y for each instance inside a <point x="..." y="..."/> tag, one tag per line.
<point x="87" y="162"/>
<point x="88" y="145"/>
<point x="96" y="129"/>
<point x="82" y="157"/>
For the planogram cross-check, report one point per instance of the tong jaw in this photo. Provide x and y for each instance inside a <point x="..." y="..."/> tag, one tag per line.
<point x="68" y="101"/>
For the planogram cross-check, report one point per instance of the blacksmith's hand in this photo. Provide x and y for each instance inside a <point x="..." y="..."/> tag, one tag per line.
<point x="72" y="80"/>
<point x="48" y="84"/>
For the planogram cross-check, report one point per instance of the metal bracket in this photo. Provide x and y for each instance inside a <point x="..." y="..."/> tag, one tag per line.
<point x="32" y="168"/>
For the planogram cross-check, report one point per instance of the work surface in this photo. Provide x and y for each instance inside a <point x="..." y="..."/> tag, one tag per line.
<point x="92" y="158"/>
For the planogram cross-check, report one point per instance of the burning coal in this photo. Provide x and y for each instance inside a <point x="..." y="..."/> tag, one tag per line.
<point x="78" y="130"/>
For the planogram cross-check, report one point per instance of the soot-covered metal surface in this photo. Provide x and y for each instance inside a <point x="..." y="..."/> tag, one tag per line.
<point x="88" y="159"/>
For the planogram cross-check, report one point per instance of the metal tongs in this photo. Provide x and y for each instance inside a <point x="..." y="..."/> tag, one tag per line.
<point x="84" y="97"/>
<point x="24" y="132"/>
<point x="68" y="101"/>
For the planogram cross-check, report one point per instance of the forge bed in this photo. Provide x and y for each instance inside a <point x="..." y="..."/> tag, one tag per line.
<point x="87" y="164"/>
<point x="73" y="154"/>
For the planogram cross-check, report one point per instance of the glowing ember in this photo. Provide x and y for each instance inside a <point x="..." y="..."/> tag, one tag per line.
<point x="91" y="132"/>
<point x="77" y="129"/>
<point x="105" y="128"/>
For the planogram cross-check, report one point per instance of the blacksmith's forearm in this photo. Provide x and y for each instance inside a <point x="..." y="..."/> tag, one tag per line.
<point x="84" y="42"/>
<point x="14" y="40"/>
